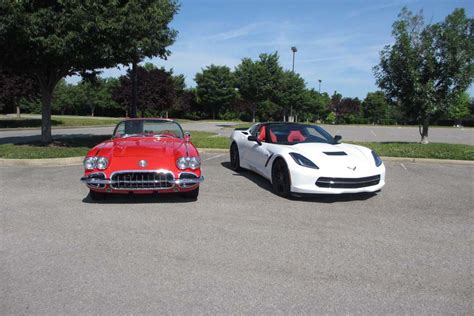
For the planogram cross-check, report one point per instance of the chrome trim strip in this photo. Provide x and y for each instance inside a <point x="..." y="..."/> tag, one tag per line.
<point x="189" y="181"/>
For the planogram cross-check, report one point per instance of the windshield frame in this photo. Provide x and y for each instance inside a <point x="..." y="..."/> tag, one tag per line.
<point x="325" y="134"/>
<point x="142" y="134"/>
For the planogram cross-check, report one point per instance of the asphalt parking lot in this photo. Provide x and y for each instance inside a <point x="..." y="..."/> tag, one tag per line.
<point x="239" y="248"/>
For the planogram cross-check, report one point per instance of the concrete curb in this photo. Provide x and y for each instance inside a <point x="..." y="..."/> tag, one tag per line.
<point x="428" y="160"/>
<point x="72" y="161"/>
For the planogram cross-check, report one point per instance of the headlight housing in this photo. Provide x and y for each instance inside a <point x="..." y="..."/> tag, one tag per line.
<point x="89" y="162"/>
<point x="93" y="162"/>
<point x="188" y="162"/>
<point x="377" y="159"/>
<point x="102" y="163"/>
<point x="303" y="161"/>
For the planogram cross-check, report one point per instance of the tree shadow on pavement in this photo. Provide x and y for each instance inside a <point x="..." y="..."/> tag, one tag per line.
<point x="64" y="140"/>
<point x="321" y="198"/>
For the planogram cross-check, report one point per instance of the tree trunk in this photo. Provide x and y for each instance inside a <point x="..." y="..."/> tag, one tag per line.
<point x="46" y="96"/>
<point x="213" y="114"/>
<point x="18" y="112"/>
<point x="254" y="110"/>
<point x="133" y="110"/>
<point x="423" y="129"/>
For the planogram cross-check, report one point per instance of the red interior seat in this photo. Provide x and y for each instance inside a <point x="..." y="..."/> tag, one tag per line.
<point x="296" y="136"/>
<point x="273" y="136"/>
<point x="262" y="134"/>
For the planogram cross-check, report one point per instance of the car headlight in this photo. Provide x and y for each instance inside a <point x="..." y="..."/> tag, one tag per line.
<point x="90" y="163"/>
<point x="303" y="161"/>
<point x="102" y="163"/>
<point x="181" y="163"/>
<point x="188" y="162"/>
<point x="194" y="163"/>
<point x="377" y="159"/>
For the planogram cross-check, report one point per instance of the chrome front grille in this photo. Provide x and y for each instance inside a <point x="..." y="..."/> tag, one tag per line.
<point x="141" y="180"/>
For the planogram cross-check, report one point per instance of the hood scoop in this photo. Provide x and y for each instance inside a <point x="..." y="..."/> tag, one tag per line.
<point x="335" y="153"/>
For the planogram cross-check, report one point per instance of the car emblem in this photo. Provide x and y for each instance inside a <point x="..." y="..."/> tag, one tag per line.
<point x="143" y="163"/>
<point x="353" y="169"/>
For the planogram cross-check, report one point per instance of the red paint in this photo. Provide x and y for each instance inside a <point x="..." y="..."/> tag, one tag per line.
<point x="160" y="153"/>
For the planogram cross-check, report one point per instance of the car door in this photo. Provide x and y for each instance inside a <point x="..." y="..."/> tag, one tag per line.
<point x="258" y="154"/>
<point x="245" y="146"/>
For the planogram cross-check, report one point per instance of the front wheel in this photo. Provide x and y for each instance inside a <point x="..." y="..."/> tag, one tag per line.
<point x="191" y="195"/>
<point x="234" y="157"/>
<point x="281" y="179"/>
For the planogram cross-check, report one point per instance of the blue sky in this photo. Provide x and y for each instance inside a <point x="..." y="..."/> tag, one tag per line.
<point x="338" y="41"/>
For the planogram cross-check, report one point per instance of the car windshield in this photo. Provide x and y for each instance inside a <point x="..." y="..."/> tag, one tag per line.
<point x="290" y="134"/>
<point x="148" y="128"/>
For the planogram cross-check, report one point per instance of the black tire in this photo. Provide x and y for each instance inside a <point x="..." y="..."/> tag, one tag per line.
<point x="234" y="157"/>
<point x="191" y="195"/>
<point x="281" y="179"/>
<point x="97" y="196"/>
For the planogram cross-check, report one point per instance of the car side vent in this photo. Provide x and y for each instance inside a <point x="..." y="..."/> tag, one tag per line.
<point x="335" y="153"/>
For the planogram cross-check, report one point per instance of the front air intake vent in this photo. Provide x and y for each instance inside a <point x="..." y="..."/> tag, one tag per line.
<point x="335" y="153"/>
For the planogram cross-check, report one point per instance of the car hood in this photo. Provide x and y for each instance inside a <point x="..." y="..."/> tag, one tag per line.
<point x="336" y="156"/>
<point x="159" y="153"/>
<point x="146" y="147"/>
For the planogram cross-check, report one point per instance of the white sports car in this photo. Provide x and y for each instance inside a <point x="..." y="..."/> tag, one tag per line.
<point x="302" y="158"/>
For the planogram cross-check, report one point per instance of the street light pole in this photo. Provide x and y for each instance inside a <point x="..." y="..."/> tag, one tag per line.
<point x="294" y="50"/>
<point x="319" y="80"/>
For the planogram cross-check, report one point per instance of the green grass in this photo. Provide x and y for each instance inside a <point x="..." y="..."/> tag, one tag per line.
<point x="416" y="150"/>
<point x="57" y="121"/>
<point x="29" y="120"/>
<point x="243" y="125"/>
<point x="78" y="146"/>
<point x="209" y="140"/>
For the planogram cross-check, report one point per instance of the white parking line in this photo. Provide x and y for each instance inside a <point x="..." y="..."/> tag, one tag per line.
<point x="401" y="164"/>
<point x="373" y="133"/>
<point x="217" y="156"/>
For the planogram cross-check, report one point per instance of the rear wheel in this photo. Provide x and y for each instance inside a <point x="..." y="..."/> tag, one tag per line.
<point x="234" y="157"/>
<point x="191" y="195"/>
<point x="96" y="196"/>
<point x="281" y="179"/>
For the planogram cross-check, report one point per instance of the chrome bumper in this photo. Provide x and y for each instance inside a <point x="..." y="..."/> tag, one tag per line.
<point x="95" y="181"/>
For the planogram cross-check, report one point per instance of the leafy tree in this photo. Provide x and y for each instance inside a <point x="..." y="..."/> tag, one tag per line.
<point x="52" y="39"/>
<point x="290" y="94"/>
<point x="460" y="109"/>
<point x="14" y="87"/>
<point x="86" y="98"/>
<point x="375" y="107"/>
<point x="315" y="105"/>
<point x="156" y="90"/>
<point x="215" y="88"/>
<point x="66" y="98"/>
<point x="258" y="80"/>
<point x="428" y="66"/>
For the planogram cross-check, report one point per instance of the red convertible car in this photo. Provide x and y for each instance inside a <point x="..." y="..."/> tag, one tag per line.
<point x="144" y="156"/>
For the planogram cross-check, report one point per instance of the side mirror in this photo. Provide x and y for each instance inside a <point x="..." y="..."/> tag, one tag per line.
<point x="187" y="137"/>
<point x="252" y="138"/>
<point x="337" y="138"/>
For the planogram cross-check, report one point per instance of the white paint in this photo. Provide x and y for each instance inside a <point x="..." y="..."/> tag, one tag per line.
<point x="373" y="133"/>
<point x="403" y="166"/>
